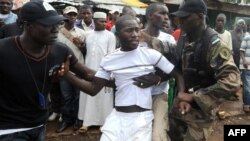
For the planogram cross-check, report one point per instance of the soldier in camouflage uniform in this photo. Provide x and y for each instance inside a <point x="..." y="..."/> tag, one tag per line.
<point x="211" y="77"/>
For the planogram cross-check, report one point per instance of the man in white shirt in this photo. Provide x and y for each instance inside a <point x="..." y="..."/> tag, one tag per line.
<point x="157" y="17"/>
<point x="224" y="35"/>
<point x="131" y="119"/>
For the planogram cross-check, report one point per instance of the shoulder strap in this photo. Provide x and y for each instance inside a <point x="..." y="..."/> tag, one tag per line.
<point x="209" y="37"/>
<point x="179" y="49"/>
<point x="67" y="34"/>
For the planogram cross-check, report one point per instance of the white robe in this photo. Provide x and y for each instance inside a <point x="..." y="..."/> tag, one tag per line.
<point x="94" y="110"/>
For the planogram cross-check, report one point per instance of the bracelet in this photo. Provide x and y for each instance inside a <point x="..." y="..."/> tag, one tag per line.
<point x="159" y="82"/>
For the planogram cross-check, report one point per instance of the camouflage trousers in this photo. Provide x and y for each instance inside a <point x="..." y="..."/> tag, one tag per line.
<point x="201" y="119"/>
<point x="199" y="129"/>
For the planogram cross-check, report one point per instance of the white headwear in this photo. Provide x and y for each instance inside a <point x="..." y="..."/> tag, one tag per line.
<point x="99" y="15"/>
<point x="69" y="9"/>
<point x="240" y="21"/>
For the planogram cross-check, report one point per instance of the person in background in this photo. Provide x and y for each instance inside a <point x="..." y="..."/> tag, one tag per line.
<point x="126" y="10"/>
<point x="245" y="75"/>
<point x="85" y="21"/>
<point x="245" y="30"/>
<point x="157" y="21"/>
<point x="224" y="35"/>
<point x="74" y="38"/>
<point x="237" y="36"/>
<point x="177" y="29"/>
<point x="14" y="28"/>
<point x="176" y="34"/>
<point x="111" y="22"/>
<point x="6" y="16"/>
<point x="100" y="42"/>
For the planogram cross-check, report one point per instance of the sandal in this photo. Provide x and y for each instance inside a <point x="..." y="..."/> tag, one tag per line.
<point x="83" y="129"/>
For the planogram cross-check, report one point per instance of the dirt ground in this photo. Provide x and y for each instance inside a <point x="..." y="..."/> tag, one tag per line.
<point x="234" y="115"/>
<point x="70" y="135"/>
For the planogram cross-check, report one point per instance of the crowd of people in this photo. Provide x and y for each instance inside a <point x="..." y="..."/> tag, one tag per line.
<point x="112" y="70"/>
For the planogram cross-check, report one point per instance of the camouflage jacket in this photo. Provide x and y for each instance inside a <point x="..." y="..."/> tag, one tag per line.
<point x="217" y="75"/>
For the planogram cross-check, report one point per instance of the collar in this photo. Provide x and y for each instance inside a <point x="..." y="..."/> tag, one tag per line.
<point x="92" y="25"/>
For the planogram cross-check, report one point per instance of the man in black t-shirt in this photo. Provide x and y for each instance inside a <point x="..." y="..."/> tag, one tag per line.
<point x="28" y="68"/>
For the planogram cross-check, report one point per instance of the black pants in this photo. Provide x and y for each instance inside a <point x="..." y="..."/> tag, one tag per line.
<point x="36" y="134"/>
<point x="70" y="101"/>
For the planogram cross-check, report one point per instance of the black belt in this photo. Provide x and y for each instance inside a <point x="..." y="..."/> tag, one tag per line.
<point x="130" y="109"/>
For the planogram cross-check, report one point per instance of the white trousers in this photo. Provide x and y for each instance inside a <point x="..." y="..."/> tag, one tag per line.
<point x="120" y="126"/>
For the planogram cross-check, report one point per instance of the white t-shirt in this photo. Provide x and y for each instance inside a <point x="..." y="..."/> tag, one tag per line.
<point x="167" y="39"/>
<point x="226" y="38"/>
<point x="125" y="66"/>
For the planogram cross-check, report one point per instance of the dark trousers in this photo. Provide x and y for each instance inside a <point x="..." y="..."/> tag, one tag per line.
<point x="37" y="134"/>
<point x="70" y="101"/>
<point x="55" y="95"/>
<point x="236" y="58"/>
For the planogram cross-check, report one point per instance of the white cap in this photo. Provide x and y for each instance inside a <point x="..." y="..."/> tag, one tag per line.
<point x="240" y="21"/>
<point x="113" y="11"/>
<point x="69" y="9"/>
<point x="99" y="15"/>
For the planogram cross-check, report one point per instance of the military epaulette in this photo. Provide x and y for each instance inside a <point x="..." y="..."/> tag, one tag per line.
<point x="214" y="40"/>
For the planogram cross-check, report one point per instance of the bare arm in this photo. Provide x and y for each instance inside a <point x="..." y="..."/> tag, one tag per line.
<point x="91" y="87"/>
<point x="91" y="84"/>
<point x="245" y="63"/>
<point x="83" y="71"/>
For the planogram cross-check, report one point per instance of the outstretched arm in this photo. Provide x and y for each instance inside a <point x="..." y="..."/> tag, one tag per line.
<point x="90" y="87"/>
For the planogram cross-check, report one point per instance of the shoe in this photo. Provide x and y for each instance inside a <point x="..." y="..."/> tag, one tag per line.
<point x="60" y="118"/>
<point x="53" y="116"/>
<point x="62" y="126"/>
<point x="77" y="125"/>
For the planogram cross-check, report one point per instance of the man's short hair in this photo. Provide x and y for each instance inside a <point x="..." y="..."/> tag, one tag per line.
<point x="152" y="8"/>
<point x="119" y="23"/>
<point x="84" y="7"/>
<point x="222" y="15"/>
<point x="127" y="10"/>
